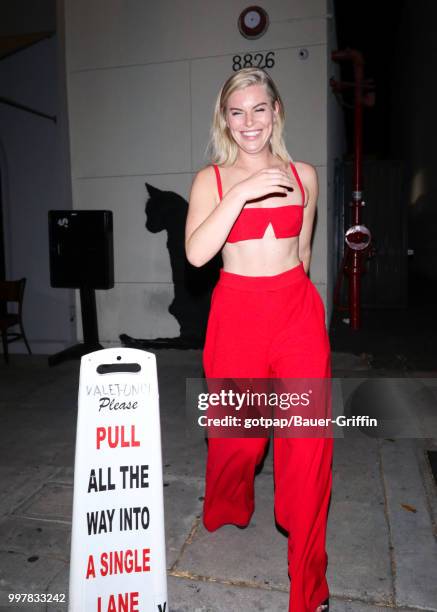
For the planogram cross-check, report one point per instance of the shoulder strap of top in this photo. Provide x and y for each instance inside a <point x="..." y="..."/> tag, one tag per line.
<point x="299" y="182"/>
<point x="219" y="181"/>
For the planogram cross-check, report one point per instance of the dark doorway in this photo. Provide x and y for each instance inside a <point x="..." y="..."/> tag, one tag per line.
<point x="2" y="234"/>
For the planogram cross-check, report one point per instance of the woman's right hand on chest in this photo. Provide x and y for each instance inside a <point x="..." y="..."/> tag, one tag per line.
<point x="262" y="183"/>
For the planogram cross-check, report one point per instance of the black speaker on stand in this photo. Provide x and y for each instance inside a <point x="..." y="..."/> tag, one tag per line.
<point x="81" y="257"/>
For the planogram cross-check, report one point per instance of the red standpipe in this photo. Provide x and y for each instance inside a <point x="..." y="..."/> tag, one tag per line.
<point x="353" y="259"/>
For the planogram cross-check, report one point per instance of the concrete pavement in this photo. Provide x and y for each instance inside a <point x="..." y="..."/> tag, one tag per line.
<point x="382" y="544"/>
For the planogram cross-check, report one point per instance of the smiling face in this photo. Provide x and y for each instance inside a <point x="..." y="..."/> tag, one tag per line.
<point x="250" y="117"/>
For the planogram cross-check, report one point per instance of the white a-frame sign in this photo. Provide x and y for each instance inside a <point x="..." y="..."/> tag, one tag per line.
<point x="118" y="543"/>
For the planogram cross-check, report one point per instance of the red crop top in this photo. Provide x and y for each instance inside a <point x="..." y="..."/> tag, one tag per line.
<point x="252" y="222"/>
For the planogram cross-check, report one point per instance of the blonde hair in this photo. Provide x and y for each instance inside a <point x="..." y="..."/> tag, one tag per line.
<point x="222" y="149"/>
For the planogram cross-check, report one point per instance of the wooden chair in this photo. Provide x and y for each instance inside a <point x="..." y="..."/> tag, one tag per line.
<point x="11" y="291"/>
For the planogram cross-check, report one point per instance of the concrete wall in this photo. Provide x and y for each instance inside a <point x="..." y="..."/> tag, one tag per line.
<point x="336" y="146"/>
<point x="141" y="86"/>
<point x="35" y="173"/>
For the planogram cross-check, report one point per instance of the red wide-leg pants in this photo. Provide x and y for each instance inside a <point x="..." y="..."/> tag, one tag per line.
<point x="272" y="327"/>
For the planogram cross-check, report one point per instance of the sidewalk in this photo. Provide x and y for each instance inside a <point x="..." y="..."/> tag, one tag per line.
<point x="382" y="543"/>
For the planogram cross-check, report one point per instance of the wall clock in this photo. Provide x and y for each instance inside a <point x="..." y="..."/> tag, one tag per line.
<point x="253" y="22"/>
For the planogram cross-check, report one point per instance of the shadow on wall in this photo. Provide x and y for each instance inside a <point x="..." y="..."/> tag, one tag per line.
<point x="167" y="211"/>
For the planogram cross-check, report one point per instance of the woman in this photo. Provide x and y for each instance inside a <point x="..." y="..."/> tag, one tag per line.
<point x="266" y="319"/>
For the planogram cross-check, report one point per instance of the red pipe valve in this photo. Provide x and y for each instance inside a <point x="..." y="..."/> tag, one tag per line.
<point x="358" y="237"/>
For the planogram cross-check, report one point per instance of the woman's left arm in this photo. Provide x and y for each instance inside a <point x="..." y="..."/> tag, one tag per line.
<point x="308" y="175"/>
